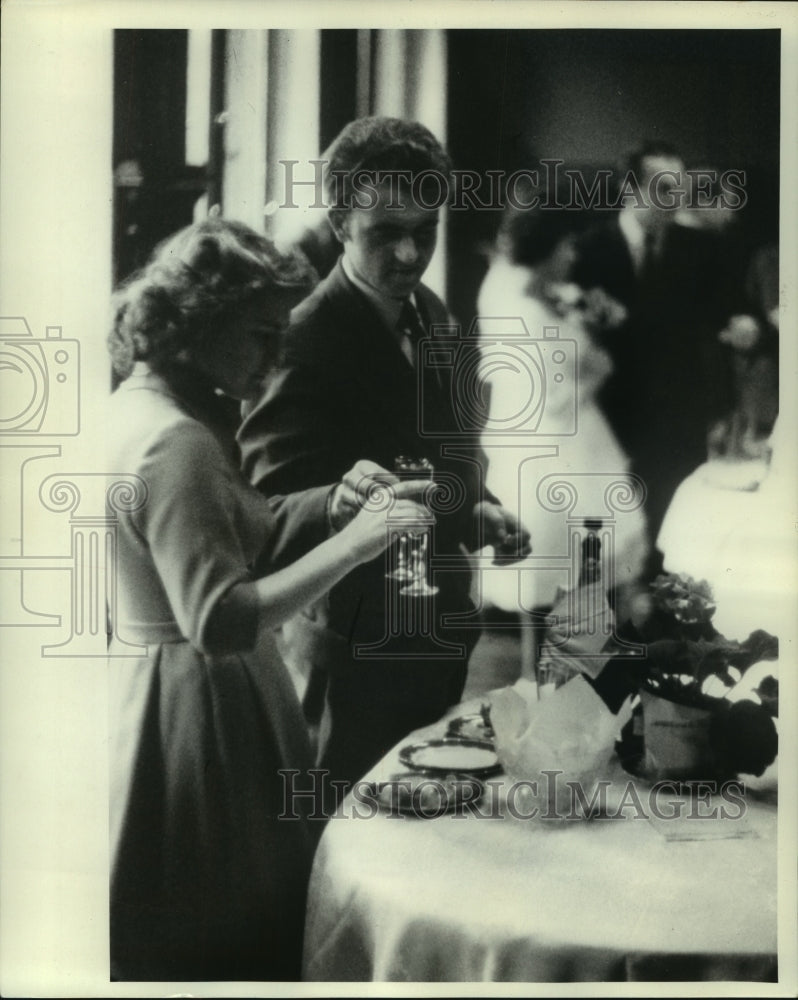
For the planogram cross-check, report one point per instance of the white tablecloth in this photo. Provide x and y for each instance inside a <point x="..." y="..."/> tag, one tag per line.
<point x="472" y="898"/>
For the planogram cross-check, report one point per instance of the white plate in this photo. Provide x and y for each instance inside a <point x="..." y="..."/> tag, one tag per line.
<point x="453" y="754"/>
<point x="425" y="796"/>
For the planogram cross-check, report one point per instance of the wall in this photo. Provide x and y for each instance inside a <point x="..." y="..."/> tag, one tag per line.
<point x="589" y="96"/>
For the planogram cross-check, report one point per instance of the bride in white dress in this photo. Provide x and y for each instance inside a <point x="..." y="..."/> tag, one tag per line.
<point x="566" y="437"/>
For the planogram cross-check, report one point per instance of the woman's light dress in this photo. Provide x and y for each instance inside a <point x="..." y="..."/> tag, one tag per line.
<point x="565" y="438"/>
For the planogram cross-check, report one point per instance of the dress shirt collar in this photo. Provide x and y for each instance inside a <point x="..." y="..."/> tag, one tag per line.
<point x="632" y="230"/>
<point x="640" y="242"/>
<point x="389" y="309"/>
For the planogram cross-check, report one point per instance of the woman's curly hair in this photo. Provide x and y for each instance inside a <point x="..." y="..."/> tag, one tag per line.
<point x="194" y="280"/>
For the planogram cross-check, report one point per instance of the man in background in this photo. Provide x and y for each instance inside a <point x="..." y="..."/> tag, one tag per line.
<point x="671" y="379"/>
<point x="352" y="388"/>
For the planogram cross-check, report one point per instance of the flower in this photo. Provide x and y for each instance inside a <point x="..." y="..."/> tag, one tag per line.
<point x="563" y="297"/>
<point x="601" y="311"/>
<point x="689" y="602"/>
<point x="741" y="333"/>
<point x="597" y="310"/>
<point x="690" y="663"/>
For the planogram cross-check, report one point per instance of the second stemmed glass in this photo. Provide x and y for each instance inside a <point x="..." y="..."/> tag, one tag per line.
<point x="412" y="551"/>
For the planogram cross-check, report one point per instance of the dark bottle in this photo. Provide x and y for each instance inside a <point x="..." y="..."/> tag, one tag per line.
<point x="590" y="571"/>
<point x="618" y="678"/>
<point x="582" y="621"/>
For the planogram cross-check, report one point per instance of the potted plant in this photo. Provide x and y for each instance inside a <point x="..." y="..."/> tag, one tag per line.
<point x="687" y="726"/>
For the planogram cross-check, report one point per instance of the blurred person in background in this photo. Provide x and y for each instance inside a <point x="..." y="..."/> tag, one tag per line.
<point x="530" y="276"/>
<point x="672" y="377"/>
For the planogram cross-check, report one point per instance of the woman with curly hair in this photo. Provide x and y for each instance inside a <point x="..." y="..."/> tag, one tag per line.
<point x="208" y="881"/>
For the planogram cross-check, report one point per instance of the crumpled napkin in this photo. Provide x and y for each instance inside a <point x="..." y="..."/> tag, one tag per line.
<point x="571" y="732"/>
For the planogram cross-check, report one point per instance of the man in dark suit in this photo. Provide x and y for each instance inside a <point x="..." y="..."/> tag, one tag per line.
<point x="352" y="389"/>
<point x="671" y="374"/>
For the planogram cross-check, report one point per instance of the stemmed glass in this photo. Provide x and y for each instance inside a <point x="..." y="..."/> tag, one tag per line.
<point x="412" y="551"/>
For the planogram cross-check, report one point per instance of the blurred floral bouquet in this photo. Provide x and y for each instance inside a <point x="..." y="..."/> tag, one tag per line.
<point x="688" y="659"/>
<point x="597" y="310"/>
<point x="682" y="599"/>
<point x="601" y="311"/>
<point x="690" y="664"/>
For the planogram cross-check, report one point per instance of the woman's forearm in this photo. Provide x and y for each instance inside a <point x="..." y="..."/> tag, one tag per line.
<point x="284" y="593"/>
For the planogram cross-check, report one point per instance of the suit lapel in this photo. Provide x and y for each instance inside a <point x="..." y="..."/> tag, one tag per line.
<point x="434" y="381"/>
<point x="623" y="265"/>
<point x="380" y="373"/>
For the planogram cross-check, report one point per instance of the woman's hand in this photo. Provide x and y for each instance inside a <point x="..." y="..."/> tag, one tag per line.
<point x="366" y="483"/>
<point x="383" y="516"/>
<point x="368" y="508"/>
<point x="377" y="512"/>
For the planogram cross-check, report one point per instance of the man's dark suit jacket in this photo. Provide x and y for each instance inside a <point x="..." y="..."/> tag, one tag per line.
<point x="346" y="392"/>
<point x="672" y="377"/>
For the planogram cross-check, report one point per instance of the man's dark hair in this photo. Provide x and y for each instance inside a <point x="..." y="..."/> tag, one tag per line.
<point x="633" y="162"/>
<point x="378" y="144"/>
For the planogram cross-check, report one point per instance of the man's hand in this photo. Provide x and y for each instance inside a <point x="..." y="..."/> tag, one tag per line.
<point x="502" y="530"/>
<point x="368" y="481"/>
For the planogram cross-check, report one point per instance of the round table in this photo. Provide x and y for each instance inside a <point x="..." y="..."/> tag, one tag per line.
<point x="497" y="897"/>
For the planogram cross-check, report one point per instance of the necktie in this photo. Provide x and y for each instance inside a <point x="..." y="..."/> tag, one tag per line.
<point x="648" y="260"/>
<point x="409" y="325"/>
